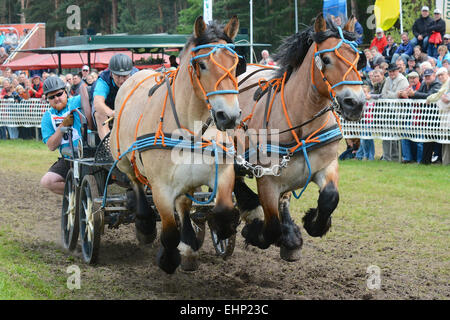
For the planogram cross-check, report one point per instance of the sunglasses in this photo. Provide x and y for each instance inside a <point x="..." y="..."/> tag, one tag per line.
<point x="56" y="95"/>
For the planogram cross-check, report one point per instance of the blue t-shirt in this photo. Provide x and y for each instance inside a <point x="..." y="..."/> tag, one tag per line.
<point x="102" y="88"/>
<point x="53" y="118"/>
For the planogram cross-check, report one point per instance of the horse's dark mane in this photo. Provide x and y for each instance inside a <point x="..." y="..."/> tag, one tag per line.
<point x="293" y="50"/>
<point x="213" y="33"/>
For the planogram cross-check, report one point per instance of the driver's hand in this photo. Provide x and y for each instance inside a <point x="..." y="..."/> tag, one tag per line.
<point x="68" y="121"/>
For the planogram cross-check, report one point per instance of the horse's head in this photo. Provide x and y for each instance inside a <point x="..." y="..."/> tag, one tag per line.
<point x="335" y="66"/>
<point x="213" y="70"/>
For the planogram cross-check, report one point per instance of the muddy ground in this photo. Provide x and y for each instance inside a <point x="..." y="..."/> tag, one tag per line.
<point x="331" y="267"/>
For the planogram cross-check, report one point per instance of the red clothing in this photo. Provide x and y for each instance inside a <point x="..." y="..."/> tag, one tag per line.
<point x="379" y="43"/>
<point x="416" y="87"/>
<point x="39" y="90"/>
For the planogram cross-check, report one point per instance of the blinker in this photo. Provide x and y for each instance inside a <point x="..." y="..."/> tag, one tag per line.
<point x="319" y="62"/>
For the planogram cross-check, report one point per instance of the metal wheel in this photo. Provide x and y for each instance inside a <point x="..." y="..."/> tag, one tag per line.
<point x="69" y="213"/>
<point x="223" y="248"/>
<point x="90" y="220"/>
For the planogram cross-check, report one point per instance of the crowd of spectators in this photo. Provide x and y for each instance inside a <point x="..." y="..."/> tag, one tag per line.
<point x="415" y="68"/>
<point x="20" y="86"/>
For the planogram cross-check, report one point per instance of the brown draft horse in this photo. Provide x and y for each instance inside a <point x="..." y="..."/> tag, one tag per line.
<point x="204" y="84"/>
<point x="315" y="66"/>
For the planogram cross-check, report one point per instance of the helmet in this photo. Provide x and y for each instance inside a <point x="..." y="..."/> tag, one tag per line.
<point x="121" y="64"/>
<point x="53" y="83"/>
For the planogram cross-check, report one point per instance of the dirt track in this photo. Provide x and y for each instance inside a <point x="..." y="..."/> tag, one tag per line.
<point x="331" y="267"/>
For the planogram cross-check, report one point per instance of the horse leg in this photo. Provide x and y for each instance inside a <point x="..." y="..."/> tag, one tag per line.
<point x="291" y="238"/>
<point x="247" y="201"/>
<point x="145" y="222"/>
<point x="264" y="233"/>
<point x="317" y="221"/>
<point x="224" y="217"/>
<point x="168" y="257"/>
<point x="189" y="245"/>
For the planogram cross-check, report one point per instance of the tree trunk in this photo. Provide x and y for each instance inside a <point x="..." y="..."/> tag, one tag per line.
<point x="354" y="8"/>
<point x="114" y="16"/>
<point x="161" y="17"/>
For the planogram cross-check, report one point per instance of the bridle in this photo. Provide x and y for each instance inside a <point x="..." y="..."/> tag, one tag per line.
<point x="194" y="67"/>
<point x="318" y="62"/>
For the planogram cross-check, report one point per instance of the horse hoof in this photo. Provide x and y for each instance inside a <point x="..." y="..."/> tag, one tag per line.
<point x="168" y="261"/>
<point x="144" y="238"/>
<point x="290" y="254"/>
<point x="189" y="263"/>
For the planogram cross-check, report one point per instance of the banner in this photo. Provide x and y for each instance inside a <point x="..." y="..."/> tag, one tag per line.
<point x="335" y="8"/>
<point x="386" y="13"/>
<point x="207" y="11"/>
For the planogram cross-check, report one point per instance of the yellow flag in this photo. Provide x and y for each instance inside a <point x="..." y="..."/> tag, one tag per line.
<point x="386" y="13"/>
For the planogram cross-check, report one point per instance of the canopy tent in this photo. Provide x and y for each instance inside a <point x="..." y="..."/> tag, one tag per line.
<point x="98" y="60"/>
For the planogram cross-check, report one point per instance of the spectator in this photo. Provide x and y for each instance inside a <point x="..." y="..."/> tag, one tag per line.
<point x="377" y="84"/>
<point x="401" y="66"/>
<point x="447" y="41"/>
<point x="10" y="41"/>
<point x="419" y="55"/>
<point x="37" y="87"/>
<point x="353" y="145"/>
<point x="266" y="59"/>
<point x="7" y="91"/>
<point x="45" y="75"/>
<point x="84" y="72"/>
<point x="377" y="58"/>
<point x="443" y="54"/>
<point x="369" y="57"/>
<point x="383" y="67"/>
<point x="404" y="50"/>
<point x="411" y="65"/>
<point x="442" y="99"/>
<point x="173" y="62"/>
<point x="3" y="55"/>
<point x="360" y="31"/>
<point x="22" y="78"/>
<point x="94" y="75"/>
<point x="433" y="63"/>
<point x="380" y="41"/>
<point x="428" y="87"/>
<point x="446" y="64"/>
<point x="436" y="31"/>
<point x="420" y="29"/>
<point x="75" y="88"/>
<point x="391" y="90"/>
<point x="69" y="81"/>
<point x="22" y="93"/>
<point x="411" y="151"/>
<point x="7" y="73"/>
<point x="390" y="49"/>
<point x="443" y="77"/>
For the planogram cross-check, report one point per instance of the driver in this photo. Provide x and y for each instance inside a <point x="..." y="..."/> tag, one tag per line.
<point x="106" y="87"/>
<point x="53" y="121"/>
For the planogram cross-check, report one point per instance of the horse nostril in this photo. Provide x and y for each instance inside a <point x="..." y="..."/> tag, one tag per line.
<point x="221" y="116"/>
<point x="350" y="102"/>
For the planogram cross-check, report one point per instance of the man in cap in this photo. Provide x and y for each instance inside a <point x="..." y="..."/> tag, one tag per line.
<point x="84" y="72"/>
<point x="438" y="26"/>
<point x="395" y="83"/>
<point x="379" y="41"/>
<point x="447" y="41"/>
<point x="106" y="87"/>
<point x="53" y="122"/>
<point x="37" y="87"/>
<point x="411" y="65"/>
<point x="420" y="29"/>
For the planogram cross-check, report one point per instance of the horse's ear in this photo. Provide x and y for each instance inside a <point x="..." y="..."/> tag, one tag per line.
<point x="320" y="25"/>
<point x="232" y="28"/>
<point x="350" y="25"/>
<point x="199" y="26"/>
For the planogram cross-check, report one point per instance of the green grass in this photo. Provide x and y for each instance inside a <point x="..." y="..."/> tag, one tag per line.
<point x="406" y="206"/>
<point x="23" y="274"/>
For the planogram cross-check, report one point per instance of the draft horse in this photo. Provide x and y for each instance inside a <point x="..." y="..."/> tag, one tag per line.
<point x="204" y="85"/>
<point x="317" y="77"/>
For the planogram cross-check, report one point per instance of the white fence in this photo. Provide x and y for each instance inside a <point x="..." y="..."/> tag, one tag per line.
<point x="27" y="113"/>
<point x="383" y="119"/>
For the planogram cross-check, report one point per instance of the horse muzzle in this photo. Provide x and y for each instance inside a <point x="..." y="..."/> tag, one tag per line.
<point x="351" y="104"/>
<point x="225" y="117"/>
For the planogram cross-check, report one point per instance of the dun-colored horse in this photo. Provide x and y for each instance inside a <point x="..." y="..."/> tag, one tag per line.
<point x="203" y="85"/>
<point x="317" y="75"/>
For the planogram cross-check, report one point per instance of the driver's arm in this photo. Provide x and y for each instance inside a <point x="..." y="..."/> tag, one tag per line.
<point x="101" y="107"/>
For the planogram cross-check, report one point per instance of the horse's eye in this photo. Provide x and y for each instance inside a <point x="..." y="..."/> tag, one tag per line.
<point x="326" y="60"/>
<point x="202" y="65"/>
